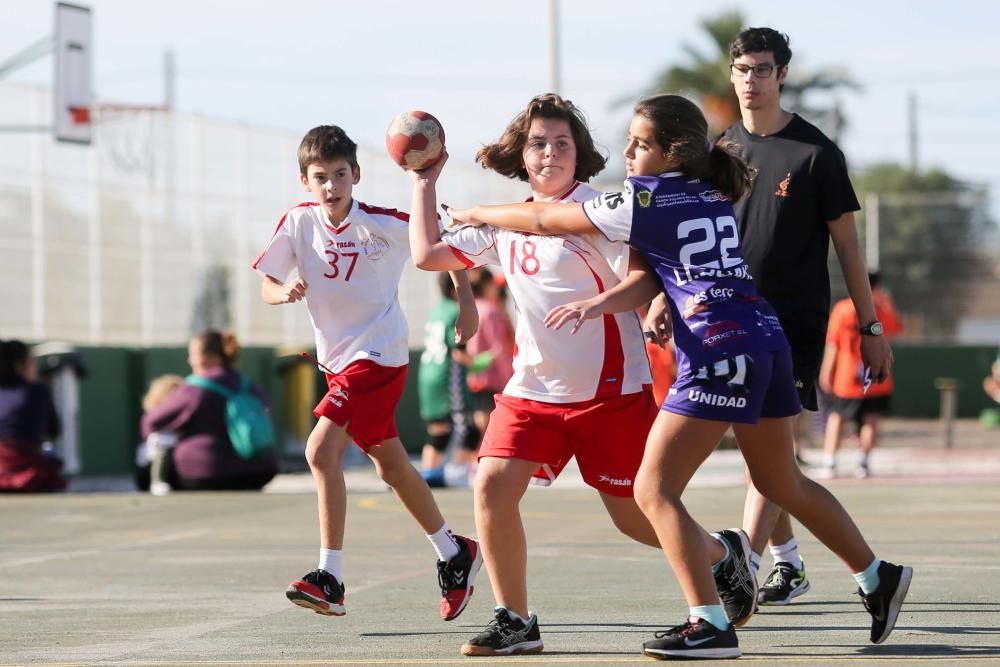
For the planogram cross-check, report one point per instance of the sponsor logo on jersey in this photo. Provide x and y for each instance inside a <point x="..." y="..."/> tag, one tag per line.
<point x="698" y="396"/>
<point x="375" y="247"/>
<point x="341" y="244"/>
<point x="689" y="273"/>
<point x="709" y="196"/>
<point x="720" y="332"/>
<point x="644" y="197"/>
<point x="693" y="307"/>
<point x="782" y="190"/>
<point x="607" y="479"/>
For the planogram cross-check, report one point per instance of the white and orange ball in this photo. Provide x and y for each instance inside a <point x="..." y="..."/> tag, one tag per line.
<point x="414" y="140"/>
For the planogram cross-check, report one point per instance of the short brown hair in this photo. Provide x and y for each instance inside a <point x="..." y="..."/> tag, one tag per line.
<point x="504" y="157"/>
<point x="222" y="344"/>
<point x="325" y="143"/>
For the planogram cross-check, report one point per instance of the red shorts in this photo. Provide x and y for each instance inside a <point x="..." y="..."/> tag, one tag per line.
<point x="607" y="436"/>
<point x="363" y="398"/>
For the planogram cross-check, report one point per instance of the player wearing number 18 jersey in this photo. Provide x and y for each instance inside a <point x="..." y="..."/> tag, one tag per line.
<point x="740" y="373"/>
<point x="349" y="258"/>
<point x="586" y="395"/>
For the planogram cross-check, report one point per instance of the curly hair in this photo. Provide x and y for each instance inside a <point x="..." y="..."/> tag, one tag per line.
<point x="504" y="156"/>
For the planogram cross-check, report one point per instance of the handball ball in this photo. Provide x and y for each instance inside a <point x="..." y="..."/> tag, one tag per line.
<point x="414" y="140"/>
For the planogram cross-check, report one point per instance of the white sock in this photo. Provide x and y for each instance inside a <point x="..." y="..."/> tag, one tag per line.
<point x="830" y="460"/>
<point x="444" y="543"/>
<point x="755" y="562"/>
<point x="331" y="560"/>
<point x="788" y="553"/>
<point x="517" y="617"/>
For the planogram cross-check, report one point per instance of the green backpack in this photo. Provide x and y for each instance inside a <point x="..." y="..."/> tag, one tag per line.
<point x="247" y="420"/>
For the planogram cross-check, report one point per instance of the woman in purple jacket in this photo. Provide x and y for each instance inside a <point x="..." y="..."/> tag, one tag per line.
<point x="204" y="458"/>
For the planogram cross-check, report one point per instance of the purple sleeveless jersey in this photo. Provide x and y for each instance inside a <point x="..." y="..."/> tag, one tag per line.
<point x="733" y="357"/>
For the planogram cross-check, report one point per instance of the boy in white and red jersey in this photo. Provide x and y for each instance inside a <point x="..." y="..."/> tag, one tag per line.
<point x="348" y="257"/>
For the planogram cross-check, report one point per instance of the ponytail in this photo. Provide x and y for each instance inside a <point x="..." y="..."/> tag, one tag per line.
<point x="726" y="170"/>
<point x="681" y="131"/>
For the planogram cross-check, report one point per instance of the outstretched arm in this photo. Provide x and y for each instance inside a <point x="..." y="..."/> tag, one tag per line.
<point x="639" y="286"/>
<point x="426" y="248"/>
<point x="546" y="219"/>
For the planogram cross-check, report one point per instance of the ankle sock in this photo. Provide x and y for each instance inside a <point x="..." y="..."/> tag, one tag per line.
<point x="787" y="553"/>
<point x="444" y="543"/>
<point x="331" y="560"/>
<point x="868" y="579"/>
<point x="711" y="613"/>
<point x="718" y="565"/>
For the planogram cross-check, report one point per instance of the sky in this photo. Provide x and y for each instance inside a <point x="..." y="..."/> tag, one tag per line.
<point x="474" y="65"/>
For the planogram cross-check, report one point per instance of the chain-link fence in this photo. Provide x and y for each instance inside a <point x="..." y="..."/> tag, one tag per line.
<point x="151" y="230"/>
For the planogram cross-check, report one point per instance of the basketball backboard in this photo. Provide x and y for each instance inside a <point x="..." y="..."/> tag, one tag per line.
<point x="72" y="95"/>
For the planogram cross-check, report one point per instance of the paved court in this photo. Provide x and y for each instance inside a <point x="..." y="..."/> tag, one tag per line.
<point x="123" y="578"/>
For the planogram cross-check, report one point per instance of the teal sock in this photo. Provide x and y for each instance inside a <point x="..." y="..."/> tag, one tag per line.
<point x="868" y="580"/>
<point x="716" y="566"/>
<point x="712" y="613"/>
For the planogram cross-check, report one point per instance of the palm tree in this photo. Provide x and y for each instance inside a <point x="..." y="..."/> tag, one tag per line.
<point x="707" y="78"/>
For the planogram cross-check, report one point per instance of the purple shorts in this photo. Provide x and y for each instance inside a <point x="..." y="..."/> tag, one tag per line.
<point x="739" y="389"/>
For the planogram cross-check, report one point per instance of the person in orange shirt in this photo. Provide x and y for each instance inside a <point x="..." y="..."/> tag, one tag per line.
<point x="842" y="377"/>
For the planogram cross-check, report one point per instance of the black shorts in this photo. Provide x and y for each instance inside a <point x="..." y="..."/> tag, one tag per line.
<point x="855" y="409"/>
<point x="807" y="341"/>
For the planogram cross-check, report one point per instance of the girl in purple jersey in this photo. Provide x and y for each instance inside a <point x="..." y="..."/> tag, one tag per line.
<point x="676" y="212"/>
<point x="585" y="397"/>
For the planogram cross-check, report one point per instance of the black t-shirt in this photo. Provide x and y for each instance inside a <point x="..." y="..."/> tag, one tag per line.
<point x="800" y="185"/>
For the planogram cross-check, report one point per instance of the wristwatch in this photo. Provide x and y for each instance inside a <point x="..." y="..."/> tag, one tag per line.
<point x="872" y="329"/>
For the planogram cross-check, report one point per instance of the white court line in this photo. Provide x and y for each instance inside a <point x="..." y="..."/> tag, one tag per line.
<point x="79" y="553"/>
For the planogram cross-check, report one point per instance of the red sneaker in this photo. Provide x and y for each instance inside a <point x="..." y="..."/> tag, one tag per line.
<point x="455" y="577"/>
<point x="320" y="591"/>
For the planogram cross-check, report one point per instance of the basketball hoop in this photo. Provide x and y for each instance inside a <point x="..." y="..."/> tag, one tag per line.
<point x="79" y="115"/>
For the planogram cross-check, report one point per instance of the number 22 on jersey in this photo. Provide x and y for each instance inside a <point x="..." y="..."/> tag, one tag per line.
<point x="720" y="236"/>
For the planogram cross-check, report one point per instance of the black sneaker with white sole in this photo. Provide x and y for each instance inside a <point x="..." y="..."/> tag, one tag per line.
<point x="735" y="581"/>
<point x="697" y="638"/>
<point x="783" y="584"/>
<point x="506" y="635"/>
<point x="885" y="601"/>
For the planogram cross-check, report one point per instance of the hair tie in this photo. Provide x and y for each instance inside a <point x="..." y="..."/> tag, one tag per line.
<point x="711" y="146"/>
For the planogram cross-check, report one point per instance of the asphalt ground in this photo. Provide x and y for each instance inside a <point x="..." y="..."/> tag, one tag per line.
<point x="198" y="579"/>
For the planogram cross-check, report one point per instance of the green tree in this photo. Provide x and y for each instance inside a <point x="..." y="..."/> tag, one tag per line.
<point x="706" y="76"/>
<point x="935" y="240"/>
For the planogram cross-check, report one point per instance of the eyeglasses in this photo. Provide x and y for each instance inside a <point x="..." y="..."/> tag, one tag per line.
<point x="760" y="70"/>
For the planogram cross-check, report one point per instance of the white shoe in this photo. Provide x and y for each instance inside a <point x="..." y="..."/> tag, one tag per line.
<point x="159" y="488"/>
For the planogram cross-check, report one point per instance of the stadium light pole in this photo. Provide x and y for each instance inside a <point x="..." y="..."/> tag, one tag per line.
<point x="554" y="46"/>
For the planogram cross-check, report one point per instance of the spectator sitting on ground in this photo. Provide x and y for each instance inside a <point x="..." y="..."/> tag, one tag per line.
<point x="27" y="419"/>
<point x="204" y="457"/>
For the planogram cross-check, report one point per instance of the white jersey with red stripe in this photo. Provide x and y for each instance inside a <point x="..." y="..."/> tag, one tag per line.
<point x="606" y="357"/>
<point x="353" y="273"/>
